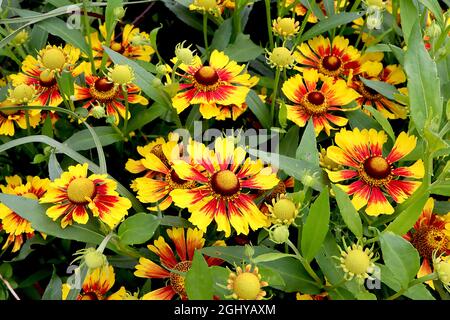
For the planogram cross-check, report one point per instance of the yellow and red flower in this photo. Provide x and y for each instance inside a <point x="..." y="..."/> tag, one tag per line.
<point x="185" y="246"/>
<point x="333" y="59"/>
<point x="96" y="286"/>
<point x="157" y="189"/>
<point x="17" y="228"/>
<point x="74" y="193"/>
<point x="223" y="187"/>
<point x="9" y="117"/>
<point x="375" y="174"/>
<point x="222" y="82"/>
<point x="393" y="75"/>
<point x="101" y="91"/>
<point x="315" y="96"/>
<point x="431" y="233"/>
<point x="135" y="44"/>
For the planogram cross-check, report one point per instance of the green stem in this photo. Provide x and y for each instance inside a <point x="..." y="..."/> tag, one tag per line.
<point x="269" y="24"/>
<point x="305" y="264"/>
<point x="360" y="33"/>
<point x="87" y="27"/>
<point x="274" y="95"/>
<point x="412" y="283"/>
<point x="205" y="31"/>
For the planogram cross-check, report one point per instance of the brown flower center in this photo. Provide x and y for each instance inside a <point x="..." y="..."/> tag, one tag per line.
<point x="47" y="79"/>
<point x="225" y="183"/>
<point x="377" y="167"/>
<point x="427" y="239"/>
<point x="331" y="63"/>
<point x="177" y="280"/>
<point x="316" y="98"/>
<point x="315" y="103"/>
<point x="367" y="92"/>
<point x="207" y="77"/>
<point x="79" y="189"/>
<point x="103" y="90"/>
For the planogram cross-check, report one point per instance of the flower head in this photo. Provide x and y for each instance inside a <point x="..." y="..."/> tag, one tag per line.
<point x="185" y="246"/>
<point x="184" y="54"/>
<point x="357" y="262"/>
<point x="246" y="284"/>
<point x="281" y="58"/>
<point x="55" y="59"/>
<point x="221" y="82"/>
<point x="224" y="177"/>
<point x="17" y="228"/>
<point x="375" y="173"/>
<point x="285" y="27"/>
<point x="317" y="97"/>
<point x="22" y="94"/>
<point x="121" y="74"/>
<point x="332" y="58"/>
<point x="205" y="6"/>
<point x="441" y="266"/>
<point x="283" y="210"/>
<point x="21" y="38"/>
<point x="75" y="194"/>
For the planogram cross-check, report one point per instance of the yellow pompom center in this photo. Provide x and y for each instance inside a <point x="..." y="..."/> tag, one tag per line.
<point x="53" y="59"/>
<point x="284" y="209"/>
<point x="286" y="26"/>
<point x="121" y="74"/>
<point x="247" y="286"/>
<point x="281" y="57"/>
<point x="357" y="261"/>
<point x="80" y="189"/>
<point x="22" y="93"/>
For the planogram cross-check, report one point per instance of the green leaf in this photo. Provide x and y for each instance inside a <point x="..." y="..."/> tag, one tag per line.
<point x="109" y="15"/>
<point x="330" y="23"/>
<point x="54" y="288"/>
<point x="138" y="228"/>
<point x="222" y="35"/>
<point x="47" y="128"/>
<point x="54" y="169"/>
<point x="145" y="116"/>
<point x="365" y="295"/>
<point x="6" y="270"/>
<point x="82" y="140"/>
<point x="291" y="270"/>
<point x="417" y="292"/>
<point x="348" y="212"/>
<point x="409" y="15"/>
<point x="28" y="247"/>
<point x="282" y="115"/>
<point x="199" y="280"/>
<point x="358" y="119"/>
<point x="243" y="49"/>
<point x="259" y="109"/>
<point x="408" y="217"/>
<point x="435" y="8"/>
<point x="220" y="276"/>
<point x="316" y="226"/>
<point x="34" y="212"/>
<point x="35" y="277"/>
<point x="400" y="257"/>
<point x="386" y="89"/>
<point x="441" y="188"/>
<point x="382" y="121"/>
<point x="172" y="221"/>
<point x="290" y="139"/>
<point x="307" y="150"/>
<point x="271" y="257"/>
<point x="38" y="39"/>
<point x="423" y="84"/>
<point x="58" y="27"/>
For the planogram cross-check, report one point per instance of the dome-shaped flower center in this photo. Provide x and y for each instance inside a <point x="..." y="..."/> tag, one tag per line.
<point x="287" y="26"/>
<point x="316" y="98"/>
<point x="103" y="90"/>
<point x="377" y="167"/>
<point x="206" y="76"/>
<point x="22" y="93"/>
<point x="206" y="4"/>
<point x="121" y="74"/>
<point x="53" y="58"/>
<point x="30" y="195"/>
<point x="177" y="280"/>
<point x="225" y="183"/>
<point x="357" y="261"/>
<point x="281" y="57"/>
<point x="331" y="63"/>
<point x="427" y="239"/>
<point x="116" y="46"/>
<point x="47" y="79"/>
<point x="247" y="286"/>
<point x="79" y="189"/>
<point x="443" y="270"/>
<point x="284" y="209"/>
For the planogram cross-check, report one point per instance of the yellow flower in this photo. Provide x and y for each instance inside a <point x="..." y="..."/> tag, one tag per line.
<point x="357" y="262"/>
<point x="17" y="228"/>
<point x="246" y="284"/>
<point x="283" y="210"/>
<point x="56" y="59"/>
<point x="74" y="195"/>
<point x="281" y="58"/>
<point x="285" y="27"/>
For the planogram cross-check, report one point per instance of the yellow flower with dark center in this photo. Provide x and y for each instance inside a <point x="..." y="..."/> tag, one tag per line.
<point x="17" y="228"/>
<point x="75" y="194"/>
<point x="333" y="59"/>
<point x="357" y="262"/>
<point x="100" y="90"/>
<point x="97" y="286"/>
<point x="246" y="284"/>
<point x="375" y="173"/>
<point x="429" y="236"/>
<point x="222" y="82"/>
<point x="317" y="97"/>
<point x="156" y="190"/>
<point x="285" y="27"/>
<point x="185" y="246"/>
<point x="127" y="46"/>
<point x="224" y="177"/>
<point x="393" y="75"/>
